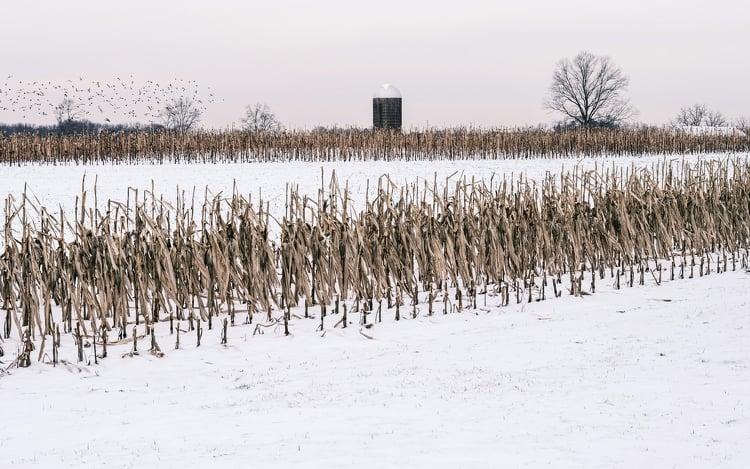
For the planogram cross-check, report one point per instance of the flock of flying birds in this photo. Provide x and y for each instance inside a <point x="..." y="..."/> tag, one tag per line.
<point x="121" y="100"/>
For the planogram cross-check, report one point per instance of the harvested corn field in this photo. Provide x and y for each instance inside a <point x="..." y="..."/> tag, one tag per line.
<point x="144" y="261"/>
<point x="393" y="286"/>
<point x="355" y="145"/>
<point x="416" y="235"/>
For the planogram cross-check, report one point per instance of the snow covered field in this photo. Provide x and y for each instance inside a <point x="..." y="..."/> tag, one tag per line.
<point x="654" y="376"/>
<point x="650" y="376"/>
<point x="53" y="186"/>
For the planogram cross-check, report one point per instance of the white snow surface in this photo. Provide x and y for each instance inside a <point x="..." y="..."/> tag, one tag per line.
<point x="649" y="376"/>
<point x="717" y="130"/>
<point x="60" y="185"/>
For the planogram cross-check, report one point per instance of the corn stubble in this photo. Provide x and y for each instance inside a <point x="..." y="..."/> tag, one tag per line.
<point x="223" y="146"/>
<point x="439" y="247"/>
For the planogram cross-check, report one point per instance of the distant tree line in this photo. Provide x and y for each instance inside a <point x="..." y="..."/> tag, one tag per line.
<point x="180" y="115"/>
<point x="76" y="127"/>
<point x="588" y="92"/>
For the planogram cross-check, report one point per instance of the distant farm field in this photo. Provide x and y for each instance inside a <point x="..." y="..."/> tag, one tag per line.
<point x="463" y="311"/>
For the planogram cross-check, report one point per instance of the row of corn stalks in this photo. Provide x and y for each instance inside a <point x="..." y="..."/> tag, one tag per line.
<point x="439" y="245"/>
<point x="346" y="145"/>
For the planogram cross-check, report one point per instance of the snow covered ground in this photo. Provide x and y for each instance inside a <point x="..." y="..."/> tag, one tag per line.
<point x="650" y="376"/>
<point x="59" y="185"/>
<point x="653" y="376"/>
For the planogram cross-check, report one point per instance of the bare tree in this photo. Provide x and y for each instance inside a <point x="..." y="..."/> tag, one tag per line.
<point x="180" y="114"/>
<point x="716" y="119"/>
<point x="699" y="115"/>
<point x="68" y="110"/>
<point x="589" y="91"/>
<point x="742" y="123"/>
<point x="259" y="118"/>
<point x="694" y="115"/>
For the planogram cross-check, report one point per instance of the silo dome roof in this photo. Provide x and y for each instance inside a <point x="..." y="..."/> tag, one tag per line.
<point x="387" y="91"/>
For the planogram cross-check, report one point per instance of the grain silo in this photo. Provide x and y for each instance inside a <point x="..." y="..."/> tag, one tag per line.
<point x="386" y="108"/>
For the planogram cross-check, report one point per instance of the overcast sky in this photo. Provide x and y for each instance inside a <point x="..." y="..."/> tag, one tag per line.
<point x="317" y="62"/>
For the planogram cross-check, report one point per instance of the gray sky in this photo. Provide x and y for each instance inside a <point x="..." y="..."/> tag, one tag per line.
<point x="317" y="62"/>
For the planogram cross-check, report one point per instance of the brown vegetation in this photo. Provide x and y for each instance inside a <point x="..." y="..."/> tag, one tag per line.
<point x="241" y="146"/>
<point x="144" y="261"/>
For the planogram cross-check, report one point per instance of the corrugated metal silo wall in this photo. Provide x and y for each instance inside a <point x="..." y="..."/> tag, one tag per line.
<point x="386" y="113"/>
